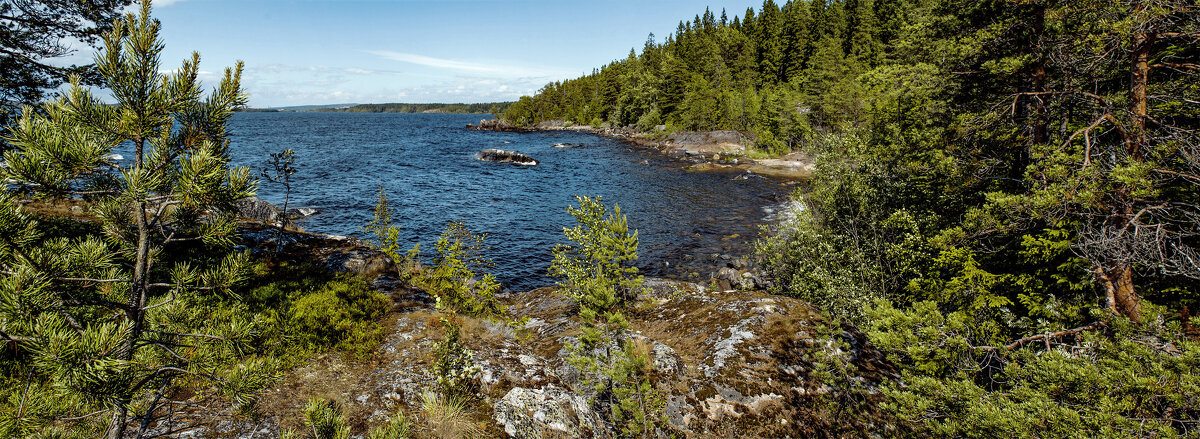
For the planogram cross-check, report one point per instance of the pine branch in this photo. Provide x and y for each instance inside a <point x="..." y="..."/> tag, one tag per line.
<point x="1046" y="336"/>
<point x="17" y="338"/>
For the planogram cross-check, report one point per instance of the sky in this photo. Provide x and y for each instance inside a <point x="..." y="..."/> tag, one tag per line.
<point x="307" y="52"/>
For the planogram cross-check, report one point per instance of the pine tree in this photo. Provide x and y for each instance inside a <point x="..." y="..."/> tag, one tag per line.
<point x="861" y="32"/>
<point x="32" y="31"/>
<point x="111" y="323"/>
<point x="770" y="46"/>
<point x="796" y="38"/>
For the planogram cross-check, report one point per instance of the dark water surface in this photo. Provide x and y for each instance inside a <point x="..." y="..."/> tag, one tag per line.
<point x="426" y="164"/>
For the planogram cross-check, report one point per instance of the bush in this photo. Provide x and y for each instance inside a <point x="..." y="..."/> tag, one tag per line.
<point x="336" y="312"/>
<point x="1127" y="381"/>
<point x="453" y="280"/>
<point x="454" y="365"/>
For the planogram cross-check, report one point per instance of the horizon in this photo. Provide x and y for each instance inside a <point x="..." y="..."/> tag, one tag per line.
<point x="329" y="53"/>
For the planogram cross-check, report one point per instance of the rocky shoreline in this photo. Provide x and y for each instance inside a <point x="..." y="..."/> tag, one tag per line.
<point x="736" y="362"/>
<point x="707" y="151"/>
<point x="729" y="359"/>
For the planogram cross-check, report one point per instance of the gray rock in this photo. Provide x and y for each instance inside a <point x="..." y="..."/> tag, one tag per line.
<point x="547" y="412"/>
<point x="256" y="209"/>
<point x="503" y="156"/>
<point x="730" y="275"/>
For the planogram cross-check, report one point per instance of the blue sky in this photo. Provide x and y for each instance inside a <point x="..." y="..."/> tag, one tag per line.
<point x="301" y="52"/>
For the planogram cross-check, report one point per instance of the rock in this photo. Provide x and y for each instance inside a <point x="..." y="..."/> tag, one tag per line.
<point x="503" y="156"/>
<point x="730" y="276"/>
<point x="547" y="412"/>
<point x="256" y="209"/>
<point x="551" y="124"/>
<point x="707" y="143"/>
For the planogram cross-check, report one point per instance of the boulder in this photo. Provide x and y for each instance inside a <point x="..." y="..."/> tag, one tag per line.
<point x="503" y="156"/>
<point x="548" y="412"/>
<point x="256" y="209"/>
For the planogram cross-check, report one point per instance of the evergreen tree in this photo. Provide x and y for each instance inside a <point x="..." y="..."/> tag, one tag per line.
<point x="796" y="38"/>
<point x="110" y="324"/>
<point x="861" y="31"/>
<point x="32" y="32"/>
<point x="770" y="46"/>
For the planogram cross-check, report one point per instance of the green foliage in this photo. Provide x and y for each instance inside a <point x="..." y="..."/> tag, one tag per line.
<point x="338" y="314"/>
<point x="636" y="407"/>
<point x="597" y="270"/>
<point x="38" y="31"/>
<point x="99" y="321"/>
<point x="398" y="427"/>
<point x="453" y="280"/>
<point x="385" y="235"/>
<point x="325" y="419"/>
<point x="454" y="365"/>
<point x="1130" y="381"/>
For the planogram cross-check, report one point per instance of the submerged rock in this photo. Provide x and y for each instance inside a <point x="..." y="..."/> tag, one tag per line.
<point x="504" y="156"/>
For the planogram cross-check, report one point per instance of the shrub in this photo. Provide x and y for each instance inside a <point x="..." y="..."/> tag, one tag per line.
<point x="453" y="280"/>
<point x="454" y="365"/>
<point x="399" y="427"/>
<point x="325" y="419"/>
<point x="1131" y="380"/>
<point x="337" y="311"/>
<point x="597" y="270"/>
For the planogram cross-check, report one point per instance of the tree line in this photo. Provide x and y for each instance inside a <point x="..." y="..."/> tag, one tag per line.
<point x="482" y="108"/>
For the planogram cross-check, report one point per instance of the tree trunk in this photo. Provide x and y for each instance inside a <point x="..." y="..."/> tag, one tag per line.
<point x="1040" y="132"/>
<point x="1119" y="295"/>
<point x="1139" y="80"/>
<point x="137" y="299"/>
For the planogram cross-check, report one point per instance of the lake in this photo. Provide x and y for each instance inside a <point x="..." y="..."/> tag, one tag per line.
<point x="426" y="164"/>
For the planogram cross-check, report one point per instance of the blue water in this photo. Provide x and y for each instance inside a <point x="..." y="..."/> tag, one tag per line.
<point x="426" y="165"/>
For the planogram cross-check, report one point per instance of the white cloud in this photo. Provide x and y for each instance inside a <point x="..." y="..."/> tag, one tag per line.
<point x="453" y="90"/>
<point x="461" y="66"/>
<point x="278" y="85"/>
<point x="137" y="5"/>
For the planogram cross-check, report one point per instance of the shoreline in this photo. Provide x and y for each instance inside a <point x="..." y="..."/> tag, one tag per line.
<point x="703" y="151"/>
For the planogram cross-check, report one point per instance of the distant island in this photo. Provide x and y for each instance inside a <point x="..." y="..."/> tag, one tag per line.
<point x="493" y="108"/>
<point x="489" y="107"/>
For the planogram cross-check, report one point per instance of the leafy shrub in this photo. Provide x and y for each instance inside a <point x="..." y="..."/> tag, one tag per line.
<point x="326" y="420"/>
<point x="454" y="365"/>
<point x="597" y="272"/>
<point x="337" y="311"/>
<point x="399" y="427"/>
<point x="453" y="280"/>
